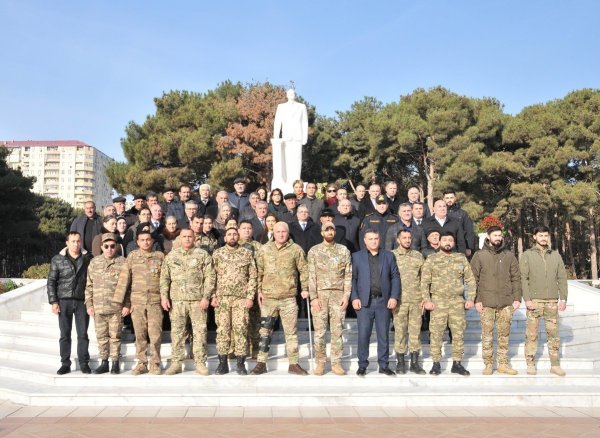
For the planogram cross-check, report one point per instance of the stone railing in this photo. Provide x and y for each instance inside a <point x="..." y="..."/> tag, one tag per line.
<point x="30" y="296"/>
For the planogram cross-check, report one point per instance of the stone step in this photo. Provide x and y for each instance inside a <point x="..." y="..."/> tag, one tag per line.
<point x="305" y="391"/>
<point x="48" y="356"/>
<point x="278" y="377"/>
<point x="128" y="349"/>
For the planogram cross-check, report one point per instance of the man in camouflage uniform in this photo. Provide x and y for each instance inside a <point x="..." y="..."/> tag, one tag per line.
<point x="544" y="282"/>
<point x="246" y="231"/>
<point x="443" y="279"/>
<point x="496" y="271"/>
<point x="279" y="263"/>
<point x="329" y="286"/>
<point x="407" y="316"/>
<point x="235" y="269"/>
<point x="139" y="283"/>
<point x="102" y="277"/>
<point x="186" y="284"/>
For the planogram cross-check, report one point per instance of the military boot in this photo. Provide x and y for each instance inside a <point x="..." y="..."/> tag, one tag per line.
<point x="556" y="369"/>
<point x="223" y="367"/>
<point x="241" y="366"/>
<point x="103" y="368"/>
<point x="436" y="369"/>
<point x="260" y="368"/>
<point x="116" y="367"/>
<point x="400" y="364"/>
<point x="488" y="370"/>
<point x="319" y="369"/>
<point x="457" y="368"/>
<point x="415" y="367"/>
<point x="337" y="369"/>
<point x="505" y="368"/>
<point x="175" y="368"/>
<point x="201" y="369"/>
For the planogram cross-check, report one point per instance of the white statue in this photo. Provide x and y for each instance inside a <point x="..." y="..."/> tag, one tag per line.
<point x="291" y="121"/>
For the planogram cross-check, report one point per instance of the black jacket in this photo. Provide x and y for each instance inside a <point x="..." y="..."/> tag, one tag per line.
<point x="455" y="212"/>
<point x="451" y="225"/>
<point x="351" y="224"/>
<point x="66" y="281"/>
<point x="308" y="237"/>
<point x="416" y="232"/>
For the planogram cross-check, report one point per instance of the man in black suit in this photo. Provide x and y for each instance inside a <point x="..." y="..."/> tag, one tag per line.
<point x="375" y="293"/>
<point x="258" y="221"/>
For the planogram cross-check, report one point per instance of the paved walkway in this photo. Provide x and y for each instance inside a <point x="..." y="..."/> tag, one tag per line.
<point x="173" y="422"/>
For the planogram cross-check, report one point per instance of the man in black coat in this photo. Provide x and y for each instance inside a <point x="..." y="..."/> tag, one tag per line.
<point x="406" y="223"/>
<point x="349" y="220"/>
<point x="88" y="225"/>
<point x="66" y="294"/>
<point x="455" y="212"/>
<point x="304" y="231"/>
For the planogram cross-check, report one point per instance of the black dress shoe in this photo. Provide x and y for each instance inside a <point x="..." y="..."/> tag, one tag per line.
<point x="362" y="371"/>
<point x="85" y="368"/>
<point x="436" y="369"/>
<point x="63" y="370"/>
<point x="386" y="371"/>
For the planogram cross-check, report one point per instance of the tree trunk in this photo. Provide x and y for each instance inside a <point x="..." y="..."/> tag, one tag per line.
<point x="430" y="172"/>
<point x="593" y="254"/>
<point x="569" y="248"/>
<point x="520" y="232"/>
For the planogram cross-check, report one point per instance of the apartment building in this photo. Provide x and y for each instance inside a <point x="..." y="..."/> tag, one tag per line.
<point x="65" y="169"/>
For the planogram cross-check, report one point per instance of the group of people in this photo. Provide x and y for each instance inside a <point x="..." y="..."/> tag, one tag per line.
<point x="256" y="257"/>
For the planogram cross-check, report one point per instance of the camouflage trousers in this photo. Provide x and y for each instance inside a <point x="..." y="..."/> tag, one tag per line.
<point x="254" y="328"/>
<point x="108" y="332"/>
<point x="332" y="313"/>
<point x="287" y="309"/>
<point x="501" y="318"/>
<point x="181" y="312"/>
<point x="548" y="310"/>
<point x="147" y="322"/>
<point x="451" y="313"/>
<point x="232" y="325"/>
<point x="407" y="325"/>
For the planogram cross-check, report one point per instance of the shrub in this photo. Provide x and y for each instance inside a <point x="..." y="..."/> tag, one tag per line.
<point x="37" y="271"/>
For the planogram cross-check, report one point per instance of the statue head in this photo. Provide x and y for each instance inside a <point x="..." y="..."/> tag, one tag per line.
<point x="291" y="94"/>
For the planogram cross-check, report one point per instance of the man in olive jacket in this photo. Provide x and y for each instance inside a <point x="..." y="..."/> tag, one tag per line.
<point x="66" y="294"/>
<point x="496" y="271"/>
<point x="544" y="281"/>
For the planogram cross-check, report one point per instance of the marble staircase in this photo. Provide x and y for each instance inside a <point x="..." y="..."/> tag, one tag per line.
<point x="29" y="359"/>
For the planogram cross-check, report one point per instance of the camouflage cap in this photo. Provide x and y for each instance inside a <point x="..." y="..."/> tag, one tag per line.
<point x="109" y="236"/>
<point x="327" y="225"/>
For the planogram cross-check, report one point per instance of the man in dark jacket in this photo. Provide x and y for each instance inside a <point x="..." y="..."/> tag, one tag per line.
<point x="380" y="220"/>
<point x="88" y="225"/>
<point x="350" y="221"/>
<point x="498" y="277"/>
<point x="66" y="294"/>
<point x="442" y="222"/>
<point x="455" y="212"/>
<point x="407" y="223"/>
<point x="304" y="231"/>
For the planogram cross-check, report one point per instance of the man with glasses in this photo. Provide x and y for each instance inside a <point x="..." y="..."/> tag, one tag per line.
<point x="102" y="278"/>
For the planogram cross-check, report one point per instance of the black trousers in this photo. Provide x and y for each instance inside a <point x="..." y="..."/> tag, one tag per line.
<point x="68" y="310"/>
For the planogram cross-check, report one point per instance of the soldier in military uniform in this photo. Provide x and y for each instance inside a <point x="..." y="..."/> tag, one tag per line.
<point x="329" y="286"/>
<point x="379" y="220"/>
<point x="496" y="271"/>
<point x="139" y="283"/>
<point x="102" y="277"/>
<point x="187" y="281"/>
<point x="235" y="269"/>
<point x="246" y="231"/>
<point x="407" y="315"/>
<point x="279" y="263"/>
<point x="443" y="279"/>
<point x="544" y="283"/>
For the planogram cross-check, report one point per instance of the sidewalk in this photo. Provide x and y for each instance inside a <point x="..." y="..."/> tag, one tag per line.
<point x="107" y="422"/>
